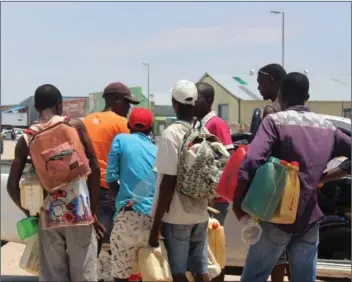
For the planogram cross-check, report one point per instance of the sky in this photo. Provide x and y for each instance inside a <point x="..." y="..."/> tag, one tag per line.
<point x="82" y="47"/>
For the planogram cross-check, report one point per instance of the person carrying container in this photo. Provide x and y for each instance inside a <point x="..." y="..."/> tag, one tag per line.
<point x="183" y="221"/>
<point x="131" y="161"/>
<point x="294" y="134"/>
<point x="63" y="156"/>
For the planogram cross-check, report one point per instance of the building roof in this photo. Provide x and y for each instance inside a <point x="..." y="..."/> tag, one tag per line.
<point x="323" y="87"/>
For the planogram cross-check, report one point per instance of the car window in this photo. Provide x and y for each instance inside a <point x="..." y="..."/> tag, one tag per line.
<point x="345" y="127"/>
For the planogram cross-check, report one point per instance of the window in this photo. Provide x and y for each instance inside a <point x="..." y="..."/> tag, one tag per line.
<point x="223" y="111"/>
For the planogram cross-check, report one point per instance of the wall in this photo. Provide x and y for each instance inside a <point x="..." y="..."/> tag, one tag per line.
<point x="222" y="96"/>
<point x="75" y="108"/>
<point x="334" y="108"/>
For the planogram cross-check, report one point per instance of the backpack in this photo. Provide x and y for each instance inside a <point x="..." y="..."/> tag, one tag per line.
<point x="57" y="153"/>
<point x="202" y="159"/>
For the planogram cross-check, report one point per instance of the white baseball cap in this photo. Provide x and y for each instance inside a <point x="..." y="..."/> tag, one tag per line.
<point x="185" y="92"/>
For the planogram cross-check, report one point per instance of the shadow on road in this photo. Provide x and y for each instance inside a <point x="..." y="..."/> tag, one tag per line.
<point x="14" y="278"/>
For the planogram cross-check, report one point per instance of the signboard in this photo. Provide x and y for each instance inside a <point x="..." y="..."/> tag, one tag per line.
<point x="74" y="108"/>
<point x="14" y="119"/>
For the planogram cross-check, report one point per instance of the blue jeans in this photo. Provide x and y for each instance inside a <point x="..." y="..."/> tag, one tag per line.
<point x="106" y="211"/>
<point x="223" y="208"/>
<point x="302" y="249"/>
<point x="187" y="247"/>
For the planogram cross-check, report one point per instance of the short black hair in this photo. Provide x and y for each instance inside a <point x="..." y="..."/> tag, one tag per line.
<point x="295" y="89"/>
<point x="206" y="90"/>
<point x="275" y="71"/>
<point x="47" y="96"/>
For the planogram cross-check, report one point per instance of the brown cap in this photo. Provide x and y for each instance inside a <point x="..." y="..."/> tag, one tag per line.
<point x="120" y="89"/>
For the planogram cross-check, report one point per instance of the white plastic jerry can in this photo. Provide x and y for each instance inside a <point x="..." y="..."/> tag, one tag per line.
<point x="154" y="264"/>
<point x="32" y="194"/>
<point x="30" y="258"/>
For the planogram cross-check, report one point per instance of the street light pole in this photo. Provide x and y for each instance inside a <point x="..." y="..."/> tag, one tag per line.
<point x="148" y="82"/>
<point x="283" y="35"/>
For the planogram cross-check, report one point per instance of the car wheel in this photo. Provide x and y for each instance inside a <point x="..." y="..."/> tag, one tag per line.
<point x="335" y="243"/>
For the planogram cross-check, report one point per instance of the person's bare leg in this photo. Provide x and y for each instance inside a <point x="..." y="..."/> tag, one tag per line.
<point x="278" y="273"/>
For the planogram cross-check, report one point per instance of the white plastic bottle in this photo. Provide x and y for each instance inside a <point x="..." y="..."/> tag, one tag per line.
<point x="32" y="194"/>
<point x="251" y="230"/>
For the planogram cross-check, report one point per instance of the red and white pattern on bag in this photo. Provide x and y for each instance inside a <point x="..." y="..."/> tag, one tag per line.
<point x="67" y="207"/>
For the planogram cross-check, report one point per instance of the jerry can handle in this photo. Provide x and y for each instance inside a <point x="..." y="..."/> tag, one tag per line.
<point x="212" y="210"/>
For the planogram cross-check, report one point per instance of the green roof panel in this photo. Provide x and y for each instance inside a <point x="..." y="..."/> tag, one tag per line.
<point x="239" y="80"/>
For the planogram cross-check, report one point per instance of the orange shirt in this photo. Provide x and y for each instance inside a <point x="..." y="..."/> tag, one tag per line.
<point x="102" y="128"/>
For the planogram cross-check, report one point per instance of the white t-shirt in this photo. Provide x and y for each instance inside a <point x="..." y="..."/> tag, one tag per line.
<point x="183" y="210"/>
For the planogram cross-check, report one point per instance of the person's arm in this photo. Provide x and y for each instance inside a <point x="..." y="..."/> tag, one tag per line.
<point x="166" y="164"/>
<point x="17" y="167"/>
<point x="113" y="166"/>
<point x="259" y="152"/>
<point x="342" y="146"/>
<point x="94" y="178"/>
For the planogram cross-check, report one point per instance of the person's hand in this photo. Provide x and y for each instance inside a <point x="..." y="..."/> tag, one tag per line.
<point x="320" y="184"/>
<point x="238" y="211"/>
<point x="154" y="237"/>
<point x="99" y="228"/>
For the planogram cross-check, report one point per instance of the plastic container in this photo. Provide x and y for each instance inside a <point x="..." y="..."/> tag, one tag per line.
<point x="27" y="227"/>
<point x="32" y="194"/>
<point x="251" y="230"/>
<point x="154" y="266"/>
<point x="266" y="190"/>
<point x="229" y="178"/>
<point x="30" y="258"/>
<point x="216" y="241"/>
<point x="286" y="212"/>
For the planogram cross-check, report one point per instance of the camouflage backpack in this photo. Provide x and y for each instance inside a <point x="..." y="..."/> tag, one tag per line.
<point x="201" y="162"/>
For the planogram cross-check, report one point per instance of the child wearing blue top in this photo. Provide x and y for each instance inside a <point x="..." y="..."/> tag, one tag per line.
<point x="130" y="162"/>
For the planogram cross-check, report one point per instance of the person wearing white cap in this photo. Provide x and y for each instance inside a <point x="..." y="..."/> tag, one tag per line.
<point x="182" y="221"/>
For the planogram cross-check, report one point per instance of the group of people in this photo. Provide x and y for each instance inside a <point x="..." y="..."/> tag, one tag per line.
<point x="132" y="185"/>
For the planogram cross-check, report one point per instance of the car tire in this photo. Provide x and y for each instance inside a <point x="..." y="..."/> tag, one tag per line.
<point x="335" y="243"/>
